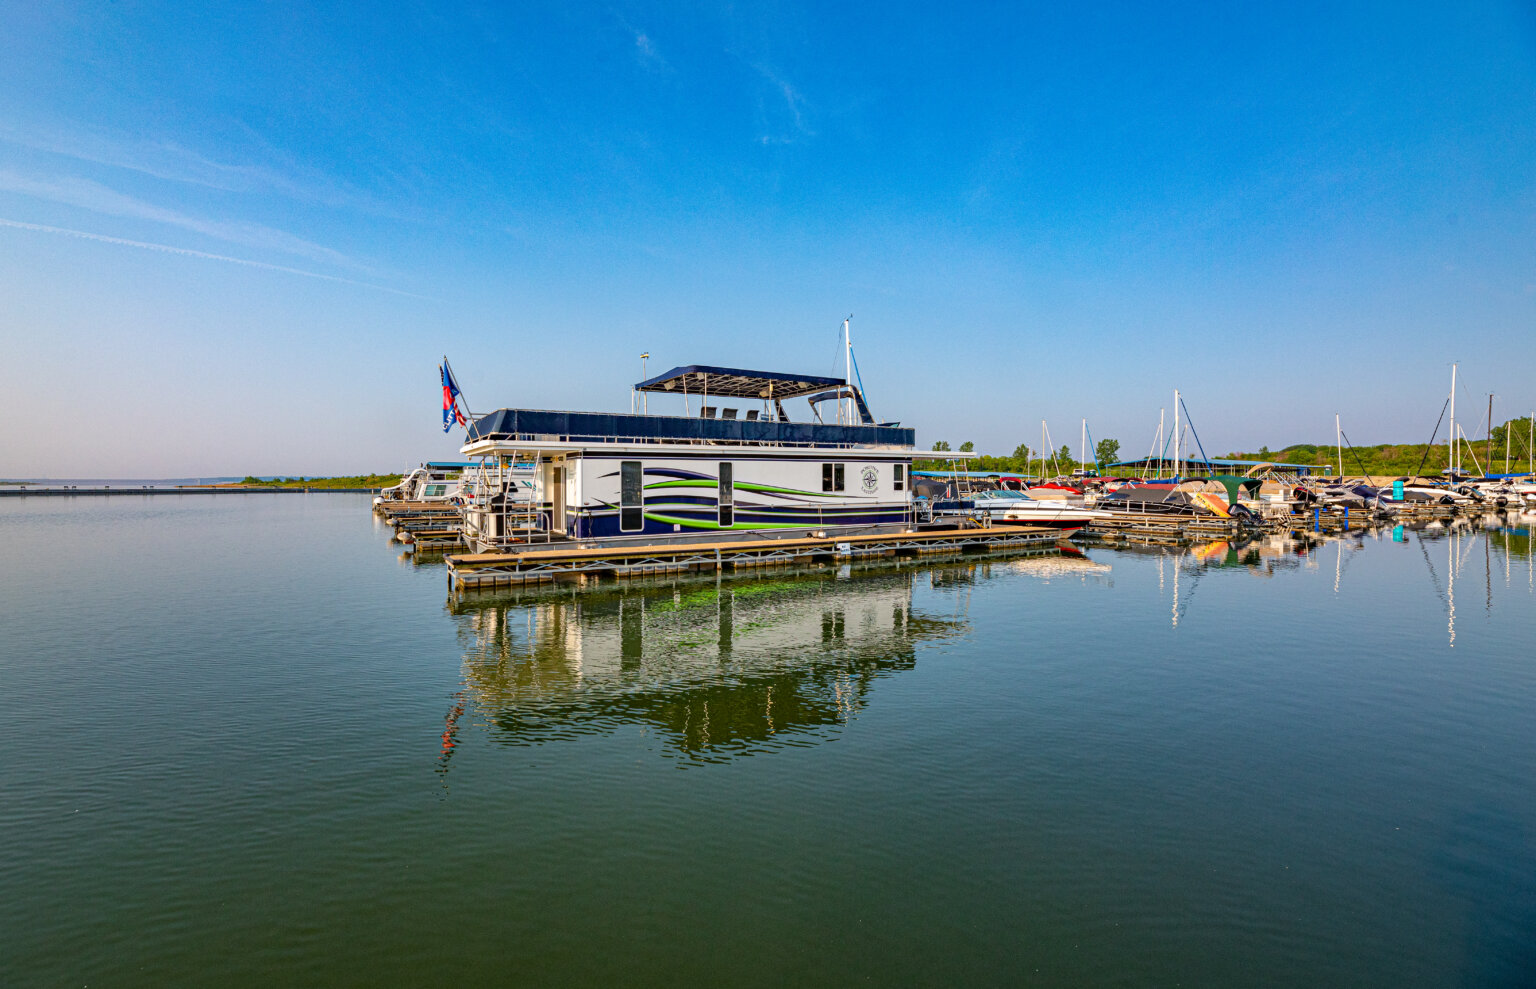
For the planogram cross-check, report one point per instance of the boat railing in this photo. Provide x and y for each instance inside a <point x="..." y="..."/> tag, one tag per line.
<point x="617" y="440"/>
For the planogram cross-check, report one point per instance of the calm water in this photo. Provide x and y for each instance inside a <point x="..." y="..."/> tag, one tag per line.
<point x="245" y="743"/>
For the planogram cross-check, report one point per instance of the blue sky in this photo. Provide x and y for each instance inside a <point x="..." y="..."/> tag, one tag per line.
<point x="238" y="238"/>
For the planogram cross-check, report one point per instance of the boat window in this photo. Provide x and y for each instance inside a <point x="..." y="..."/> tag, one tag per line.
<point x="837" y="477"/>
<point x="831" y="477"/>
<point x="900" y="476"/>
<point x="435" y="490"/>
<point x="727" y="499"/>
<point x="826" y="477"/>
<point x="631" y="497"/>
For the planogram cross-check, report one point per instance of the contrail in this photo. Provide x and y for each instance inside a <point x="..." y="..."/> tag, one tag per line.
<point x="188" y="252"/>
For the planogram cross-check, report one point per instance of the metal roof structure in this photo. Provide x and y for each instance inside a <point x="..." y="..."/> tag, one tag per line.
<point x="1214" y="463"/>
<point x="732" y="382"/>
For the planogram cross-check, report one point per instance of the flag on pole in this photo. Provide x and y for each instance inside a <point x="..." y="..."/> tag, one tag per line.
<point x="451" y="413"/>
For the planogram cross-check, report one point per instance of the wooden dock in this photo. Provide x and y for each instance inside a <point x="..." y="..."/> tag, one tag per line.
<point x="425" y="524"/>
<point x="393" y="510"/>
<point x="1166" y="526"/>
<point x="478" y="570"/>
<point x="431" y="540"/>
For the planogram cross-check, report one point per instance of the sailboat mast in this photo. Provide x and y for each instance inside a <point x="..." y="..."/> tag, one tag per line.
<point x="1338" y="439"/>
<point x="1161" y="413"/>
<point x="1489" y="456"/>
<point x="1453" y="420"/>
<point x="1176" y="458"/>
<point x="1082" y="457"/>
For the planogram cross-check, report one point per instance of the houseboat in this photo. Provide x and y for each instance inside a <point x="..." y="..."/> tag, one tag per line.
<point x="433" y="482"/>
<point x="735" y="464"/>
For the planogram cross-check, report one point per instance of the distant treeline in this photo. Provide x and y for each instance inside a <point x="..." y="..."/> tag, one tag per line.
<point x="1406" y="458"/>
<point x="1386" y="458"/>
<point x="1023" y="460"/>
<point x="356" y="481"/>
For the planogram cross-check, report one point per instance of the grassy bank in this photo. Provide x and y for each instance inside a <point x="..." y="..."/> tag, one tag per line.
<point x="355" y="481"/>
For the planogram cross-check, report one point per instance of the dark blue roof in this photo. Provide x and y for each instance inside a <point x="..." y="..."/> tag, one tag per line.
<point x="603" y="427"/>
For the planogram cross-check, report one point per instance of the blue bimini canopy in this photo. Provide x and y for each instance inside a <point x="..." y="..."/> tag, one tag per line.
<point x="733" y="382"/>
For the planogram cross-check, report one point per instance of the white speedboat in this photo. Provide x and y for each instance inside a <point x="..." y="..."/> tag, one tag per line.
<point x="1018" y="508"/>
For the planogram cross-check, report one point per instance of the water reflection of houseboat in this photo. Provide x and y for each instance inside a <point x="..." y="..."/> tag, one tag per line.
<point x="717" y="670"/>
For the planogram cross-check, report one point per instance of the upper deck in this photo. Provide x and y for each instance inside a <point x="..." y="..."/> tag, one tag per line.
<point x="769" y="426"/>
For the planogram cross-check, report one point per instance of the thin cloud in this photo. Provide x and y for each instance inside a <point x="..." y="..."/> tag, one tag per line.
<point x="646" y="49"/>
<point x="794" y="103"/>
<point x="204" y="255"/>
<point x="98" y="198"/>
<point x="172" y="162"/>
<point x="646" y="52"/>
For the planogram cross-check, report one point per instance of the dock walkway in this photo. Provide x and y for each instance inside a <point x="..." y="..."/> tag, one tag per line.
<point x="476" y="570"/>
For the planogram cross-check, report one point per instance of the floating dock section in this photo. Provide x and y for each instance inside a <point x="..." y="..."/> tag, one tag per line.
<point x="483" y="570"/>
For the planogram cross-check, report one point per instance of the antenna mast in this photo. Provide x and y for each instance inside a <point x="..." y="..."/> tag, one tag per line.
<point x="848" y="368"/>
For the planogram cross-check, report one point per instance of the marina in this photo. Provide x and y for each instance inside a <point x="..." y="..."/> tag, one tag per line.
<point x="547" y="495"/>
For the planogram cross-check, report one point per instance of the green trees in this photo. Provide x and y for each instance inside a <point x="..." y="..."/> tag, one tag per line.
<point x="1107" y="452"/>
<point x="1518" y="435"/>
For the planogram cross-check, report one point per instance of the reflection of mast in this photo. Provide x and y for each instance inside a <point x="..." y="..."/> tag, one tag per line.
<point x="1450" y="587"/>
<point x="1176" y="569"/>
<point x="1488" y="573"/>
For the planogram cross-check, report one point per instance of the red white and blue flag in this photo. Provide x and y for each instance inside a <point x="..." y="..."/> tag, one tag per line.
<point x="451" y="413"/>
